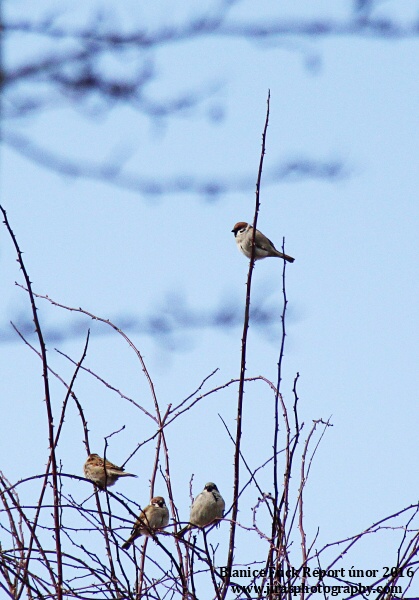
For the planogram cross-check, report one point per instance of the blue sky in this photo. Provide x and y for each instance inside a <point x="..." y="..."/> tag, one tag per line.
<point x="353" y="289"/>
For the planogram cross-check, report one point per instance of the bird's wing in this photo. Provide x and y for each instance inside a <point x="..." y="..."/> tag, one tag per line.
<point x="264" y="243"/>
<point x="110" y="465"/>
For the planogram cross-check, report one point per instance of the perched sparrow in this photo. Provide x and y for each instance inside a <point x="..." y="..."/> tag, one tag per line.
<point x="154" y="516"/>
<point x="243" y="232"/>
<point x="103" y="473"/>
<point x="207" y="507"/>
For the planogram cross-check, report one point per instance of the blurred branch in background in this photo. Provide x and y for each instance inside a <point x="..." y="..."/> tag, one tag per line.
<point x="167" y="325"/>
<point x="112" y="173"/>
<point x="100" y="64"/>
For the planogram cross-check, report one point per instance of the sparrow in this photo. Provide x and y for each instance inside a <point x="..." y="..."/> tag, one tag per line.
<point x="243" y="232"/>
<point x="207" y="507"/>
<point x="154" y="516"/>
<point x="103" y="473"/>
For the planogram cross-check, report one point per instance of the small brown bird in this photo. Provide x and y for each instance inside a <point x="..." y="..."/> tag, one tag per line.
<point x="155" y="516"/>
<point x="243" y="232"/>
<point x="207" y="508"/>
<point x="103" y="473"/>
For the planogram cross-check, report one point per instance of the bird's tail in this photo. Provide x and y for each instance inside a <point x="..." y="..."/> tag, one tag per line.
<point x="182" y="532"/>
<point x="129" y="541"/>
<point x="285" y="256"/>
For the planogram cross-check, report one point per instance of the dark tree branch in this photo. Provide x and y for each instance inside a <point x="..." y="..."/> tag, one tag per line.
<point x="236" y="485"/>
<point x="59" y="582"/>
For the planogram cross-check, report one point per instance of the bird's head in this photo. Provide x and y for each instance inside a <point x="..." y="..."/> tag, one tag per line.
<point x="241" y="227"/>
